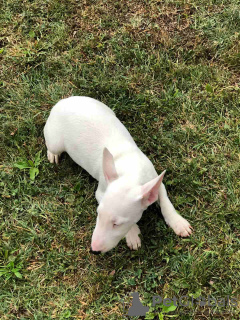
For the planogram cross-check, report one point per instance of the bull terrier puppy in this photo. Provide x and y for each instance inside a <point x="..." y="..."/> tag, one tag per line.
<point x="95" y="139"/>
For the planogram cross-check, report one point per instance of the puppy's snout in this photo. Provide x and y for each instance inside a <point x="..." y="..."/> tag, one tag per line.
<point x="95" y="252"/>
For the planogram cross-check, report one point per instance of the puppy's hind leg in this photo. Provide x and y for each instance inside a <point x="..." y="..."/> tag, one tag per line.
<point x="53" y="157"/>
<point x="54" y="143"/>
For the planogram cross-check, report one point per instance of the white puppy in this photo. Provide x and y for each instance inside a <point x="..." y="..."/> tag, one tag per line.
<point x="95" y="139"/>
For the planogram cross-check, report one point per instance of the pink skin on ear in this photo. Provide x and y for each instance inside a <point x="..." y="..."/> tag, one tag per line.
<point x="109" y="169"/>
<point x="150" y="190"/>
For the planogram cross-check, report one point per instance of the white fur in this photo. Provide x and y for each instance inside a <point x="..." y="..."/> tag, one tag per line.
<point x="94" y="138"/>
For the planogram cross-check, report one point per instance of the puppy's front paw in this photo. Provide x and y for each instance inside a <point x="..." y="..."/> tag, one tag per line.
<point x="180" y="226"/>
<point x="132" y="238"/>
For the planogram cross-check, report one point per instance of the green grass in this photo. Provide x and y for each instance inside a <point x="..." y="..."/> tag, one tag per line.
<point x="170" y="71"/>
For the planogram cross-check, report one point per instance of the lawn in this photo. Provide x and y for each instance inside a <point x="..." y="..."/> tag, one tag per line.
<point x="170" y="71"/>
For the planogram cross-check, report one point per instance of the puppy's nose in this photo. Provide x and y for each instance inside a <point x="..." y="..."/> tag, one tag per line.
<point x="95" y="252"/>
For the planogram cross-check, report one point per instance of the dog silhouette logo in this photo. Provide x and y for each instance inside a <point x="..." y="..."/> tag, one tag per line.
<point x="137" y="309"/>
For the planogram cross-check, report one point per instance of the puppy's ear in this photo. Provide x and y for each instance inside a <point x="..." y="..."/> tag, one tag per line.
<point x="109" y="169"/>
<point x="150" y="190"/>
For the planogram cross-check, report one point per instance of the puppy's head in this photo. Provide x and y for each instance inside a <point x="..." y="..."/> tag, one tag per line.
<point x="121" y="206"/>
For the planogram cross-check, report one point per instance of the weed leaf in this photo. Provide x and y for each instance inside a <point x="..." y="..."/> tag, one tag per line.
<point x="22" y="165"/>
<point x="37" y="159"/>
<point x="33" y="173"/>
<point x="18" y="275"/>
